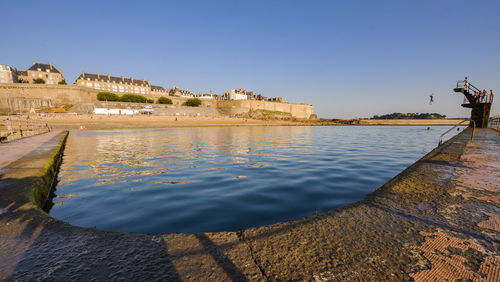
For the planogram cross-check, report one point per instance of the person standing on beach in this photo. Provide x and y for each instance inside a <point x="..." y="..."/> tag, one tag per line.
<point x="432" y="98"/>
<point x="491" y="96"/>
<point x="8" y="123"/>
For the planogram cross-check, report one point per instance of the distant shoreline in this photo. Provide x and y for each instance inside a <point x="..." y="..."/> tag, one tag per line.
<point x="96" y="122"/>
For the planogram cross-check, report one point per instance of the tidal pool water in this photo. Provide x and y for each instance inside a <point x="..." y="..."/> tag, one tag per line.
<point x="226" y="178"/>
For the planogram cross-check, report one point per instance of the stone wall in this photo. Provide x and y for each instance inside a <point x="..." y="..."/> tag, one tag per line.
<point x="29" y="95"/>
<point x="300" y="111"/>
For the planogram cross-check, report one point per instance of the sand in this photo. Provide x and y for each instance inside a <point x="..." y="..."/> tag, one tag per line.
<point x="91" y="122"/>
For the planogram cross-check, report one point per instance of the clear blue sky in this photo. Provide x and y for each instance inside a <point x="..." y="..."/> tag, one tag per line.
<point x="348" y="58"/>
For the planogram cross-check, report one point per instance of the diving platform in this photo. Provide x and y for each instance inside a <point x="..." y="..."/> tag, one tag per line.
<point x="478" y="101"/>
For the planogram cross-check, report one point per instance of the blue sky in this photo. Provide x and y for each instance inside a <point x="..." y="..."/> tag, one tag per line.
<point x="347" y="58"/>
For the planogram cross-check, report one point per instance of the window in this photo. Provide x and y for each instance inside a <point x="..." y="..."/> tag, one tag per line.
<point x="39" y="75"/>
<point x="47" y="70"/>
<point x="83" y="83"/>
<point x="1" y="67"/>
<point x="39" y="69"/>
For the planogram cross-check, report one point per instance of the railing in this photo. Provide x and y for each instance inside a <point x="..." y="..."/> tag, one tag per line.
<point x="472" y="91"/>
<point x="495" y="122"/>
<point x="455" y="126"/>
<point x="19" y="126"/>
<point x="467" y="86"/>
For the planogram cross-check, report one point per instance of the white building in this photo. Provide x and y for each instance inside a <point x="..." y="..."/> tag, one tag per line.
<point x="7" y="74"/>
<point x="237" y="95"/>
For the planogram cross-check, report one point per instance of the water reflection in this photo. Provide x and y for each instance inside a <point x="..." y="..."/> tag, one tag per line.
<point x="213" y="179"/>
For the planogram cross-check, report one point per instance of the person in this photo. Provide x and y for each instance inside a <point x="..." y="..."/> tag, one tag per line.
<point x="491" y="95"/>
<point x="8" y="124"/>
<point x="432" y="98"/>
<point x="466" y="84"/>
<point x="476" y="97"/>
<point x="483" y="96"/>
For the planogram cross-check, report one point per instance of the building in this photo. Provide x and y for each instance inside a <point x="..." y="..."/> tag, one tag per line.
<point x="22" y="76"/>
<point x="8" y="74"/>
<point x="114" y="84"/>
<point x="158" y="91"/>
<point x="47" y="72"/>
<point x="175" y="91"/>
<point x="238" y="94"/>
<point x="208" y="96"/>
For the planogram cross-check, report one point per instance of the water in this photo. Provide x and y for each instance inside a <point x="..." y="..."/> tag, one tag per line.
<point x="226" y="178"/>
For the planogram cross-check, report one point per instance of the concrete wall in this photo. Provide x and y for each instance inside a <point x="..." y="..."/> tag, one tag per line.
<point x="300" y="111"/>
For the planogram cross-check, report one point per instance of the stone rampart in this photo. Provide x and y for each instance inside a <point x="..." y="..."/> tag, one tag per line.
<point x="17" y="96"/>
<point x="300" y="111"/>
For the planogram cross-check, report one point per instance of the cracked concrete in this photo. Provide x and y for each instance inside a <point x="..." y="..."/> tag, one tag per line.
<point x="436" y="220"/>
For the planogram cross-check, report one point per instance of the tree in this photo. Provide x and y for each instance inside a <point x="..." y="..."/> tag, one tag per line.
<point x="107" y="96"/>
<point x="62" y="82"/>
<point x="195" y="102"/>
<point x="164" y="100"/>
<point x="38" y="81"/>
<point x="133" y="98"/>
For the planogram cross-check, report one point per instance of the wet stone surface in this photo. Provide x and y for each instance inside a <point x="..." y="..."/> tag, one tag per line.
<point x="436" y="220"/>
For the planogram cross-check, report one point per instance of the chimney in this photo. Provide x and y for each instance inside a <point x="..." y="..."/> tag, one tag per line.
<point x="148" y="82"/>
<point x="60" y="70"/>
<point x="123" y="78"/>
<point x="109" y="77"/>
<point x="50" y="64"/>
<point x="34" y="62"/>
<point x="83" y="74"/>
<point x="143" y="81"/>
<point x="132" y="79"/>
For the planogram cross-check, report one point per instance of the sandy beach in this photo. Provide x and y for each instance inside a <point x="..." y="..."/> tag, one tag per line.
<point x="92" y="122"/>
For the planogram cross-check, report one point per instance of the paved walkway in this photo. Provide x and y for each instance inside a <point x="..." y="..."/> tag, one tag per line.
<point x="19" y="148"/>
<point x="438" y="219"/>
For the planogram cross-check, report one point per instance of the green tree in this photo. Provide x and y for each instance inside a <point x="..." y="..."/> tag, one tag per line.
<point x="107" y="96"/>
<point x="164" y="100"/>
<point x="133" y="98"/>
<point x="194" y="102"/>
<point x="62" y="82"/>
<point x="38" y="81"/>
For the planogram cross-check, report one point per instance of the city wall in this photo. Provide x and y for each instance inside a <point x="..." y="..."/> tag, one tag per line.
<point x="19" y="97"/>
<point x="300" y="111"/>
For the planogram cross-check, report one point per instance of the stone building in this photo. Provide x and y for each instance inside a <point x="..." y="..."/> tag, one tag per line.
<point x="114" y="84"/>
<point x="175" y="91"/>
<point x="47" y="72"/>
<point x="158" y="91"/>
<point x="8" y="74"/>
<point x="22" y="76"/>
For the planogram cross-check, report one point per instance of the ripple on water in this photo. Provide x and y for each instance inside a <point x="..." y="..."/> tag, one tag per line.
<point x="223" y="179"/>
